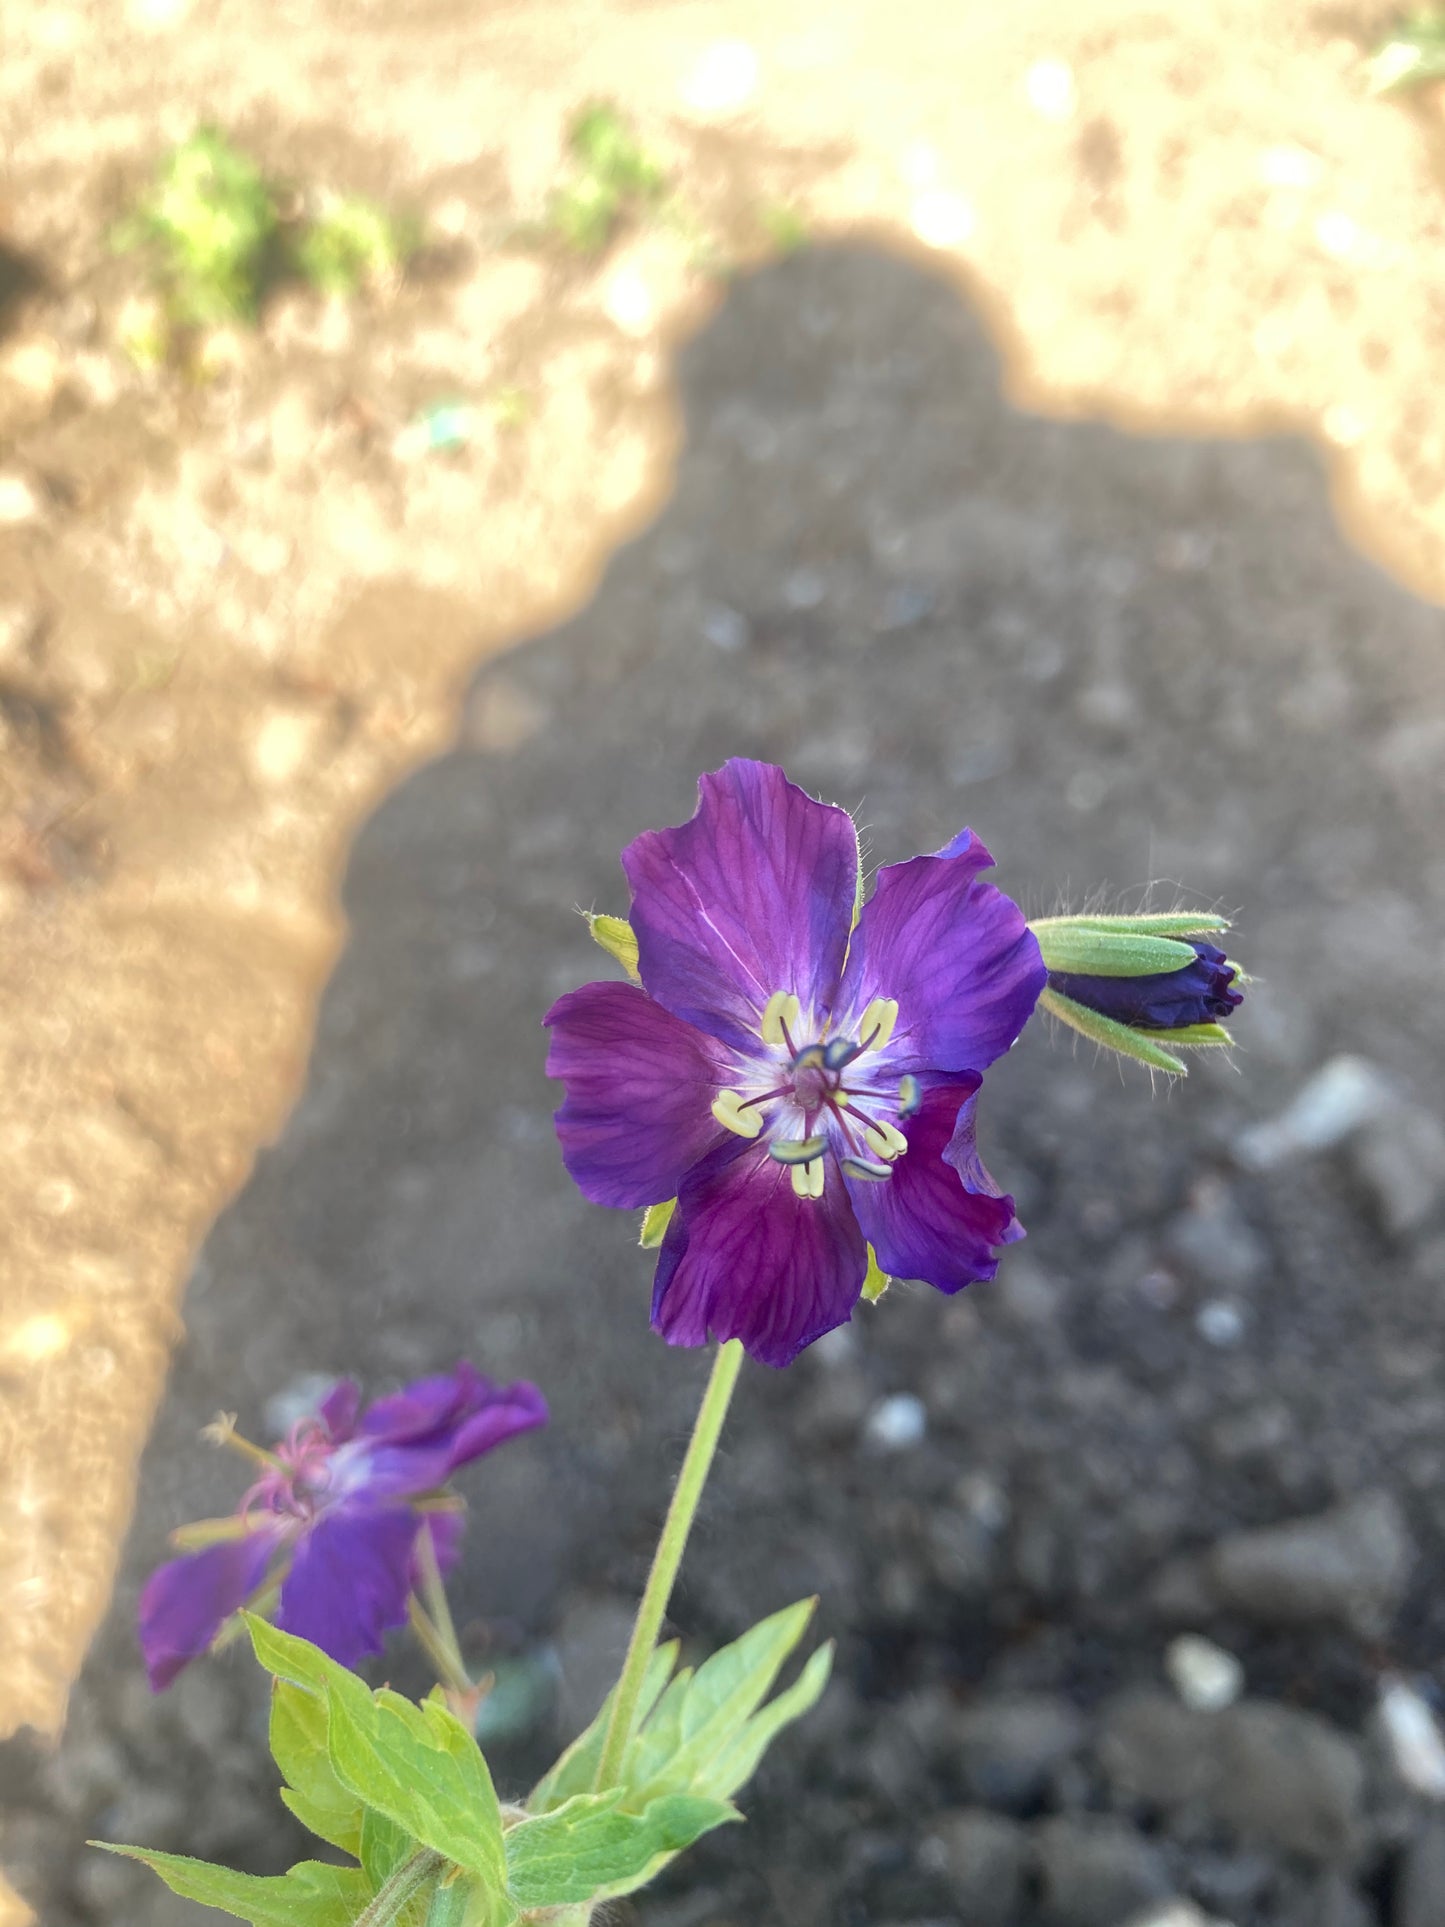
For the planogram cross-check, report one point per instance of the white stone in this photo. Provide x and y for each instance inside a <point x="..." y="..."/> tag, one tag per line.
<point x="1205" y="1676"/>
<point x="723" y="81"/>
<point x="895" y="1424"/>
<point x="1219" y="1323"/>
<point x="1413" y="1737"/>
<point x="941" y="219"/>
<point x="1049" y="86"/>
<point x="1344" y="1094"/>
<point x="283" y="744"/>
<point x="18" y="501"/>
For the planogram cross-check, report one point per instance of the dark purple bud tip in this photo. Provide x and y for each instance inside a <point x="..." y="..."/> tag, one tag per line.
<point x="1201" y="992"/>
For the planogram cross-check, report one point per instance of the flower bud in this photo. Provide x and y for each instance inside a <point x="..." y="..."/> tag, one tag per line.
<point x="1139" y="984"/>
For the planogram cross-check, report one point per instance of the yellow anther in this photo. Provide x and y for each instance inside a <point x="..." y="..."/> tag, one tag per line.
<point x="886" y="1140"/>
<point x="727" y="1108"/>
<point x="808" y="1178"/>
<point x="783" y="1009"/>
<point x="875" y="1026"/>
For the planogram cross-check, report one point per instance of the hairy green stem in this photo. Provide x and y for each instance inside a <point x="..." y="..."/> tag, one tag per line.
<point x="668" y="1557"/>
<point x="432" y="1640"/>
<point x="399" y="1888"/>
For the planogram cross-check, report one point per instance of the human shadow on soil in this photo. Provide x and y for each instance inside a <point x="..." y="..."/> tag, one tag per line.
<point x="1121" y="660"/>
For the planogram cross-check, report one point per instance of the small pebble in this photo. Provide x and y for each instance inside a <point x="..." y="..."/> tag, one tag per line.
<point x="895" y="1424"/>
<point x="1336" y="1101"/>
<point x="1205" y="1676"/>
<point x="18" y="501"/>
<point x="1413" y="1737"/>
<point x="1219" y="1323"/>
<point x="726" y="628"/>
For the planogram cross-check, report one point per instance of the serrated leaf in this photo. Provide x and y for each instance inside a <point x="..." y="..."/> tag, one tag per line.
<point x="589" y="1849"/>
<point x="383" y="1847"/>
<point x="736" y="1765"/>
<point x="1115" y="1037"/>
<point x="655" y="1221"/>
<point x="615" y="934"/>
<point x="312" y="1894"/>
<point x="313" y="1793"/>
<point x="418" y="1766"/>
<point x="576" y="1770"/>
<point x="877" y="1281"/>
<point x="1169" y="923"/>
<point x="714" y="1705"/>
<point x="1074" y="948"/>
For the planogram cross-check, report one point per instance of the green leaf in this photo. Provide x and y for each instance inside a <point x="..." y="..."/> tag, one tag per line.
<point x="1113" y="1036"/>
<point x="655" y="1221"/>
<point x="1068" y="945"/>
<point x="1171" y="923"/>
<point x="313" y="1793"/>
<point x="711" y="1707"/>
<point x="310" y="1895"/>
<point x="577" y="1769"/>
<point x="616" y="937"/>
<point x="418" y="1766"/>
<point x="876" y="1281"/>
<point x="735" y="1766"/>
<point x="589" y="1849"/>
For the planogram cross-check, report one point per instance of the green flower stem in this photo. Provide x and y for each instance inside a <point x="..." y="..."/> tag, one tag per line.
<point x="668" y="1557"/>
<point x="442" y="1654"/>
<point x="395" y="1896"/>
<point x="434" y="1596"/>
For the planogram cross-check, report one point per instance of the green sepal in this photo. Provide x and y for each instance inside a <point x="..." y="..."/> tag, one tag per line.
<point x="1190" y="1036"/>
<point x="655" y="1221"/>
<point x="592" y="1849"/>
<point x="877" y="1280"/>
<point x="1113" y="1036"/>
<point x="1072" y="946"/>
<point x="1169" y="923"/>
<point x="616" y="937"/>
<point x="312" y="1894"/>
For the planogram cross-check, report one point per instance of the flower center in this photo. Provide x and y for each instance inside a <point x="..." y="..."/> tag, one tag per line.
<point x="809" y="1097"/>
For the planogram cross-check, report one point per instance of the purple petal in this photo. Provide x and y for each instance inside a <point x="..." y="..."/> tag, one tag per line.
<point x="754" y="894"/>
<point x="940" y="1214"/>
<point x="955" y="953"/>
<point x="515" y="1409"/>
<point x="640" y="1085"/>
<point x="428" y="1410"/>
<point x="415" y="1439"/>
<point x="349" y="1580"/>
<point x="338" y="1409"/>
<point x="185" y="1602"/>
<point x="745" y="1257"/>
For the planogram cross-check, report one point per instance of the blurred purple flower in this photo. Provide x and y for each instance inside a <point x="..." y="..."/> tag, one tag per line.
<point x="802" y="1091"/>
<point x="335" y="1517"/>
<point x="1201" y="992"/>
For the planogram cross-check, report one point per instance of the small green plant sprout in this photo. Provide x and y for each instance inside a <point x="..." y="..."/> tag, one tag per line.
<point x="614" y="176"/>
<point x="1413" y="54"/>
<point x="785" y="226"/>
<point x="211" y="223"/>
<point x="351" y="243"/>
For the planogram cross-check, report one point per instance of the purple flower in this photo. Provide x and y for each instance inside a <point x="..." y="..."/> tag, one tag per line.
<point x="334" y="1517"/>
<point x="803" y="1092"/>
<point x="1201" y="992"/>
